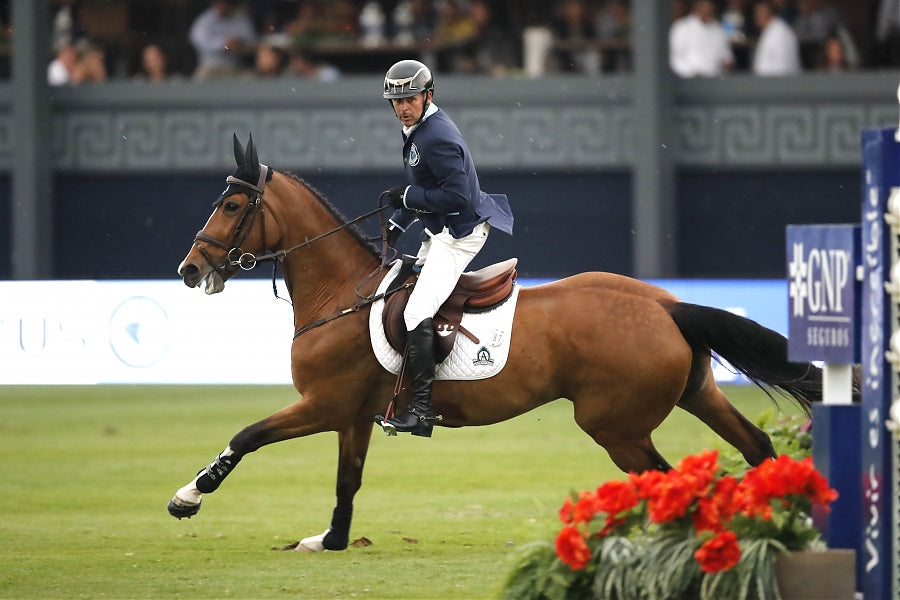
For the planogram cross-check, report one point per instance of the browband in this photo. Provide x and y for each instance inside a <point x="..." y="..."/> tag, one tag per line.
<point x="260" y="185"/>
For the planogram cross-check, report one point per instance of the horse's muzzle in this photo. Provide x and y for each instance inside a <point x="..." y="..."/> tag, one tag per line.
<point x="190" y="274"/>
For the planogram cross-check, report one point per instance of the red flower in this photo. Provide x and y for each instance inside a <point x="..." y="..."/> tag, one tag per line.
<point x="571" y="548"/>
<point x="699" y="470"/>
<point x="694" y="494"/>
<point x="719" y="553"/>
<point x="565" y="512"/>
<point x="585" y="507"/>
<point x="614" y="497"/>
<point x="670" y="498"/>
<point x="707" y="516"/>
<point x="776" y="479"/>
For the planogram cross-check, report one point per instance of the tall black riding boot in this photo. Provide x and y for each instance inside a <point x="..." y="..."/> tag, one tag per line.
<point x="420" y="363"/>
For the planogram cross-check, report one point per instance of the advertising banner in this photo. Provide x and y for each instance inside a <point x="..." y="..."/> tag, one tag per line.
<point x="160" y="332"/>
<point x="822" y="293"/>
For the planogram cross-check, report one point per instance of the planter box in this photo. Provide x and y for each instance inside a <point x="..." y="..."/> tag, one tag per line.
<point x="829" y="575"/>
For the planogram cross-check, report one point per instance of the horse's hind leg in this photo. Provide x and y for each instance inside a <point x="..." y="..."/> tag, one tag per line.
<point x="628" y="443"/>
<point x="711" y="406"/>
<point x="636" y="455"/>
<point x="352" y="447"/>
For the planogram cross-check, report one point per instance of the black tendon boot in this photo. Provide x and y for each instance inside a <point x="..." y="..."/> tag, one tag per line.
<point x="420" y="362"/>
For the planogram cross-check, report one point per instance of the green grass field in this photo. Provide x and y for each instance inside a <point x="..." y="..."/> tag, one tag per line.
<point x="86" y="472"/>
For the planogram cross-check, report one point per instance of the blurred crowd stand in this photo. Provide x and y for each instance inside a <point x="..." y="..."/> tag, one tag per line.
<point x="160" y="40"/>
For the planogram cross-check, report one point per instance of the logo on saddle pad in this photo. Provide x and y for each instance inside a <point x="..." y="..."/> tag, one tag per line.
<point x="483" y="358"/>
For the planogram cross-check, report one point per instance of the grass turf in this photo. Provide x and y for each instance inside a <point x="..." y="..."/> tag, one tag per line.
<point x="86" y="472"/>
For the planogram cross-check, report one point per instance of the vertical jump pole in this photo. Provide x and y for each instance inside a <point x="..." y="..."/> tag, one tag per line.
<point x="880" y="363"/>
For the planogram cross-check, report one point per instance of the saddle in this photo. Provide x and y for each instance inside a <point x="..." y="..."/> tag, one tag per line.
<point x="476" y="291"/>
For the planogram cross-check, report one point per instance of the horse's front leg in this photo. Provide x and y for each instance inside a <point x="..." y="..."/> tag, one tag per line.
<point x="353" y="443"/>
<point x="296" y="420"/>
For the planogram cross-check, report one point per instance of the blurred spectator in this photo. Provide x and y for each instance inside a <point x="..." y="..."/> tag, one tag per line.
<point x="613" y="21"/>
<point x="777" y="50"/>
<point x="343" y="19"/>
<point x="61" y="69"/>
<point x="736" y="20"/>
<point x="613" y="24"/>
<point x="572" y="28"/>
<point x="223" y="36"/>
<point x="698" y="46"/>
<point x="91" y="68"/>
<point x="412" y="21"/>
<point x="270" y="61"/>
<point x="372" y="25"/>
<point x="786" y="9"/>
<point x="455" y="24"/>
<point x="832" y="58"/>
<point x="66" y="26"/>
<point x="302" y="65"/>
<point x="75" y="64"/>
<point x="816" y="22"/>
<point x="154" y="64"/>
<point x="886" y="50"/>
<point x="679" y="9"/>
<point x="455" y="35"/>
<point x="493" y="51"/>
<point x="323" y="23"/>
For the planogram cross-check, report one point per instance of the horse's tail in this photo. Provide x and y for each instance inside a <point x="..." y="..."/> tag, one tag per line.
<point x="756" y="351"/>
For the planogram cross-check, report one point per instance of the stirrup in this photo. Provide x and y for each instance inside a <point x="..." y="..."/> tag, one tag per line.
<point x="423" y="426"/>
<point x="389" y="429"/>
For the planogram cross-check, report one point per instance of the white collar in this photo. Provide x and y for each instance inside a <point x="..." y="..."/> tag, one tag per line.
<point x="432" y="108"/>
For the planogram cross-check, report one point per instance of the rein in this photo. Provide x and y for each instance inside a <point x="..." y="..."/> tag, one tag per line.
<point x="355" y="308"/>
<point x="280" y="254"/>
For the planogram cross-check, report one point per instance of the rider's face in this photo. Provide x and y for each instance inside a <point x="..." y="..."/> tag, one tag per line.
<point x="408" y="110"/>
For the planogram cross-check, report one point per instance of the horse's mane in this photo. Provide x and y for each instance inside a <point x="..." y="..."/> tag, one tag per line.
<point x="337" y="214"/>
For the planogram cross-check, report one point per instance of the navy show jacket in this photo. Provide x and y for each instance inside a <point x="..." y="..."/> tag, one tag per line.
<point x="444" y="190"/>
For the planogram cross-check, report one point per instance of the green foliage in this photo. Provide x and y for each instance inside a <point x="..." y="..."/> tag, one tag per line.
<point x="537" y="574"/>
<point x="619" y="579"/>
<point x="669" y="569"/>
<point x="753" y="576"/>
<point x="790" y="434"/>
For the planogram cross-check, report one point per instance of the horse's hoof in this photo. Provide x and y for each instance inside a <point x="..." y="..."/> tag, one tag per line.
<point x="313" y="543"/>
<point x="180" y="509"/>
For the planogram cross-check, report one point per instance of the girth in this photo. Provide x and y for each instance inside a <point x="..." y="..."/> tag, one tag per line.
<point x="476" y="291"/>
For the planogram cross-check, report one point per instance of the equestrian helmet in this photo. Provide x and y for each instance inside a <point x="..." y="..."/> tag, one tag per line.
<point x="407" y="78"/>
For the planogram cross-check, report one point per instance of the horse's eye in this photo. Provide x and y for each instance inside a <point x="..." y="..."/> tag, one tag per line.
<point x="231" y="206"/>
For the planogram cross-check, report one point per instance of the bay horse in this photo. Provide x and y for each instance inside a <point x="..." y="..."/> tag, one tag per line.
<point x="622" y="351"/>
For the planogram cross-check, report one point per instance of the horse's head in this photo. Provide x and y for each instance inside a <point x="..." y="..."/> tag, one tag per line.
<point x="236" y="230"/>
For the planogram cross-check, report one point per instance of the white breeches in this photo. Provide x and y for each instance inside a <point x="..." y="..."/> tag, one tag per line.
<point x="443" y="259"/>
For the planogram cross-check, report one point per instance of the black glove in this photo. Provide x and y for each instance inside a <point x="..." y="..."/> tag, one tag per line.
<point x="395" y="196"/>
<point x="393" y="233"/>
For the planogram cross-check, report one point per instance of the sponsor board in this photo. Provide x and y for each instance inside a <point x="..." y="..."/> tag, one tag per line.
<point x="160" y="332"/>
<point x="823" y="293"/>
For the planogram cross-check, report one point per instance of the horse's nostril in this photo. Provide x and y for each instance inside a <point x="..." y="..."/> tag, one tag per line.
<point x="187" y="270"/>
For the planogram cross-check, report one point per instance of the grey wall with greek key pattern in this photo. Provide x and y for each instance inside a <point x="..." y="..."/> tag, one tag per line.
<point x="547" y="124"/>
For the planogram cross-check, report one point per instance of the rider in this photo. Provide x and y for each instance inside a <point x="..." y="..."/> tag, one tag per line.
<point x="444" y="193"/>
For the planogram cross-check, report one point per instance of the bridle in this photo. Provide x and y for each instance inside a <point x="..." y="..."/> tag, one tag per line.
<point x="236" y="258"/>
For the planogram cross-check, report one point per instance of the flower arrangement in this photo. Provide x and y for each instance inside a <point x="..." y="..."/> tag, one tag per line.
<point x="690" y="532"/>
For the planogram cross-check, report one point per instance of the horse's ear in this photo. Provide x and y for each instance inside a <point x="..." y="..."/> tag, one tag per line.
<point x="251" y="159"/>
<point x="238" y="152"/>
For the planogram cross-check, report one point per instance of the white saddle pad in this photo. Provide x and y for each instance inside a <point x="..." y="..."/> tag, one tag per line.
<point x="467" y="360"/>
